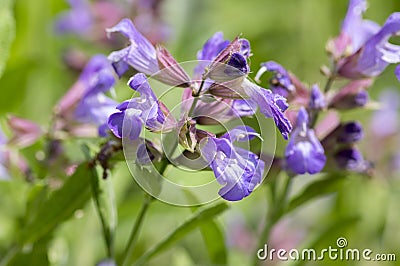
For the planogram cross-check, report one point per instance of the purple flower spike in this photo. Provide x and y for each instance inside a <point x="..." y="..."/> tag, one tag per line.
<point x="78" y="20"/>
<point x="304" y="153"/>
<point x="238" y="170"/>
<point x="317" y="99"/>
<point x="280" y="82"/>
<point x="368" y="51"/>
<point x="140" y="54"/>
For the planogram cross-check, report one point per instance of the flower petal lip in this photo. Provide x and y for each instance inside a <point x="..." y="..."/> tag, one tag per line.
<point x="140" y="54"/>
<point x="304" y="152"/>
<point x="237" y="169"/>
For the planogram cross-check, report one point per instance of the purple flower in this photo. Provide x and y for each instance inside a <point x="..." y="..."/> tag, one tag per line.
<point x="238" y="170"/>
<point x="280" y="81"/>
<point x="385" y="121"/>
<point x="145" y="58"/>
<point x="95" y="107"/>
<point x="351" y="159"/>
<point x="317" y="99"/>
<point x="140" y="54"/>
<point x="271" y="105"/>
<point x="210" y="50"/>
<point x="4" y="175"/>
<point x="144" y="110"/>
<point x="304" y="153"/>
<point x="78" y="20"/>
<point x="368" y="43"/>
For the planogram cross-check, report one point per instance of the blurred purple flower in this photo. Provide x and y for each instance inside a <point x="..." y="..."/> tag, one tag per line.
<point x="351" y="159"/>
<point x="4" y="175"/>
<point x="238" y="170"/>
<point x="78" y="20"/>
<point x="144" y="110"/>
<point x="365" y="44"/>
<point x="95" y="107"/>
<point x="280" y="82"/>
<point x="385" y="121"/>
<point x="25" y="132"/>
<point x="304" y="152"/>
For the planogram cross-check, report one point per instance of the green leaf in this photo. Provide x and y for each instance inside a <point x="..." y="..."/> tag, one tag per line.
<point x="7" y="31"/>
<point x="213" y="237"/>
<point x="316" y="189"/>
<point x="199" y="218"/>
<point x="60" y="205"/>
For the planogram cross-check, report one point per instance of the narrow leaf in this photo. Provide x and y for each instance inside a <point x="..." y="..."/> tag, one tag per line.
<point x="213" y="237"/>
<point x="198" y="219"/>
<point x="59" y="206"/>
<point x="316" y="189"/>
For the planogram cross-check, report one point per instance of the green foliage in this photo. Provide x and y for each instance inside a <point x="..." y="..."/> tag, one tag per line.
<point x="7" y="31"/>
<point x="200" y="217"/>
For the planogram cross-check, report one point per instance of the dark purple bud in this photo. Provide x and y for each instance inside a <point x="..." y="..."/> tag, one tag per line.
<point x="351" y="159"/>
<point x="350" y="132"/>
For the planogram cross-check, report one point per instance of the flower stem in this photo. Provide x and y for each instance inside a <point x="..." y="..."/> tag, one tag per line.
<point x="126" y="259"/>
<point x="273" y="215"/>
<point x="196" y="98"/>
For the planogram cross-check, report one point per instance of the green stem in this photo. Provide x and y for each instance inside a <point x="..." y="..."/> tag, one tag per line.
<point x="127" y="257"/>
<point x="273" y="215"/>
<point x="196" y="98"/>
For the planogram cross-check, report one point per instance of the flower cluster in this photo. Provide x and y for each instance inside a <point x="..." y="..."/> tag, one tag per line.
<point x="220" y="90"/>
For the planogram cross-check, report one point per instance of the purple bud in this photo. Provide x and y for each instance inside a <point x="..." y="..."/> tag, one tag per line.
<point x="351" y="96"/>
<point x="350" y="132"/>
<point x="317" y="99"/>
<point x="351" y="159"/>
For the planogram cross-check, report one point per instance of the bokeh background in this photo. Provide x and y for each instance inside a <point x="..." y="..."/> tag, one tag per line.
<point x="292" y="32"/>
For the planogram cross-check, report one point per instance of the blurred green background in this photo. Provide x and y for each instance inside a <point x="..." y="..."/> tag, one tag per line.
<point x="291" y="32"/>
